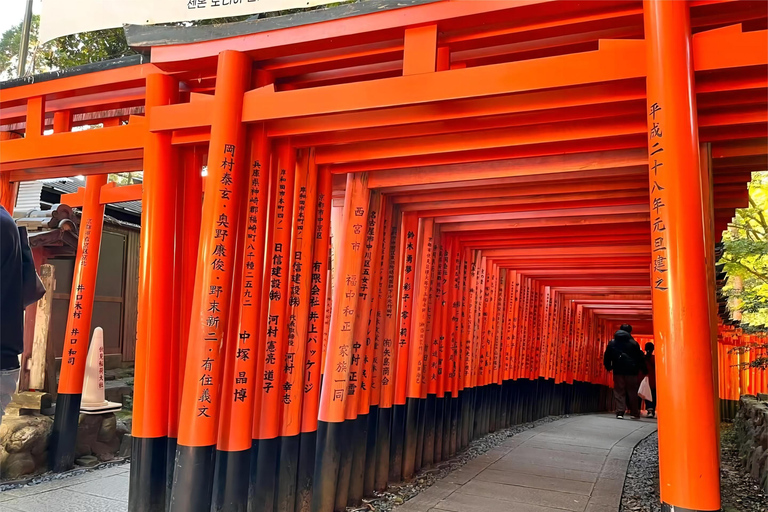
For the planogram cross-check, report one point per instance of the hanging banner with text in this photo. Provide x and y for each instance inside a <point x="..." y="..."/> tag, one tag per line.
<point x="65" y="17"/>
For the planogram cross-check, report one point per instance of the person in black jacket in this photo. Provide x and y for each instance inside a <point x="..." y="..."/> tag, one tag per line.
<point x="11" y="308"/>
<point x="625" y="359"/>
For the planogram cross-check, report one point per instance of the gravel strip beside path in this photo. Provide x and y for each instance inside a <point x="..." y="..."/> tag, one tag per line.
<point x="740" y="493"/>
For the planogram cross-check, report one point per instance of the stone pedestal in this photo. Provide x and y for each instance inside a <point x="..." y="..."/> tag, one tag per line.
<point x="24" y="442"/>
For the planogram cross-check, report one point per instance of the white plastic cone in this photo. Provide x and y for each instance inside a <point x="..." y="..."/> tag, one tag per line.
<point x="93" y="400"/>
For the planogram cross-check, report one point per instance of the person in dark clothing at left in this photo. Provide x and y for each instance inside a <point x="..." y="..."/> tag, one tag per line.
<point x="11" y="308"/>
<point x="625" y="359"/>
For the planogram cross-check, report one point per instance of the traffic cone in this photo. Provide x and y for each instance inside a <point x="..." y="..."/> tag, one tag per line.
<point x="93" y="401"/>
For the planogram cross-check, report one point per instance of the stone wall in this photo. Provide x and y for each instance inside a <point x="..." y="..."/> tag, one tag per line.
<point x="751" y="426"/>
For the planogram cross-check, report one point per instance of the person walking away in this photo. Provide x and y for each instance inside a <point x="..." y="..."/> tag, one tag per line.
<point x="650" y="363"/>
<point x="624" y="358"/>
<point x="11" y="308"/>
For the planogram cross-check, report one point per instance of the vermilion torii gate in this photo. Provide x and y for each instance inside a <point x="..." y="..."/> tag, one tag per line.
<point x="504" y="183"/>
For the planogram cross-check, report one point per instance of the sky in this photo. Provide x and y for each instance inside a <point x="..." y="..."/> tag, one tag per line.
<point x="12" y="12"/>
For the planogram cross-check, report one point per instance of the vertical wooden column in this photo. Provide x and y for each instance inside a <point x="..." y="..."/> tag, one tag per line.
<point x="688" y="446"/>
<point x="340" y="340"/>
<point x="420" y="262"/>
<point x="388" y="347"/>
<point x="263" y="428"/>
<point x="407" y="258"/>
<point x="156" y="289"/>
<point x="375" y="343"/>
<point x="454" y="374"/>
<point x="292" y="371"/>
<point x="200" y="402"/>
<point x="233" y="457"/>
<point x="312" y="371"/>
<point x="189" y="209"/>
<point x="77" y="333"/>
<point x="277" y="281"/>
<point x="707" y="194"/>
<point x="467" y="322"/>
<point x="440" y="355"/>
<point x="431" y="351"/>
<point x="349" y="490"/>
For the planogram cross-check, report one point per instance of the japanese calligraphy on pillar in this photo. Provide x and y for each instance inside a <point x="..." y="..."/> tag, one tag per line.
<point x="245" y="346"/>
<point x="467" y="309"/>
<point x="220" y="249"/>
<point x="368" y="303"/>
<point x="657" y="178"/>
<point x="410" y="228"/>
<point x="356" y="383"/>
<point x="294" y="300"/>
<point x="278" y="267"/>
<point x="419" y="349"/>
<point x="237" y="390"/>
<point x="299" y="293"/>
<point x="373" y="240"/>
<point x="218" y="284"/>
<point x="317" y="294"/>
<point x="346" y="289"/>
<point x="442" y="321"/>
<point x="78" y="327"/>
<point x="388" y="353"/>
<point x="455" y="312"/>
<point x="379" y="305"/>
<point x="74" y="333"/>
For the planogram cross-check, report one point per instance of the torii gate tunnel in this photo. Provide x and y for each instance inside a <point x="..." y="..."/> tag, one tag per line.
<point x="505" y="184"/>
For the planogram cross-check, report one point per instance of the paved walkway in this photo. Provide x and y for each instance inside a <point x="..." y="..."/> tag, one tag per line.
<point x="103" y="490"/>
<point x="576" y="464"/>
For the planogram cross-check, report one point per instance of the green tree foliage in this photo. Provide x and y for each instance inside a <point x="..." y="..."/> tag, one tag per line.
<point x="64" y="52"/>
<point x="84" y="48"/>
<point x="746" y="256"/>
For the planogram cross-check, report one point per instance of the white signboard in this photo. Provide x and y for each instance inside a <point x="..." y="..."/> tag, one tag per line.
<point x="65" y="17"/>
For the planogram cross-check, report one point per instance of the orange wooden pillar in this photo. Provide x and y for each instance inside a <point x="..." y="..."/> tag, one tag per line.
<point x="467" y="325"/>
<point x="188" y="211"/>
<point x="440" y="360"/>
<point x="349" y="489"/>
<point x="233" y="447"/>
<point x="688" y="446"/>
<point x="77" y="334"/>
<point x="336" y="376"/>
<point x="278" y="283"/>
<point x="430" y="358"/>
<point x="407" y="259"/>
<point x="387" y="339"/>
<point x="378" y="238"/>
<point x="453" y="314"/>
<point x="292" y="371"/>
<point x="418" y="260"/>
<point x="149" y="483"/>
<point x="312" y="370"/>
<point x="201" y="401"/>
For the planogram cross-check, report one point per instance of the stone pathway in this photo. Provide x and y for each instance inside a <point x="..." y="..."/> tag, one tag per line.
<point x="575" y="464"/>
<point x="102" y="490"/>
